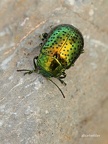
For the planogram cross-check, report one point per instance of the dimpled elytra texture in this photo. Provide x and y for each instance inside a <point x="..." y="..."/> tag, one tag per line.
<point x="62" y="47"/>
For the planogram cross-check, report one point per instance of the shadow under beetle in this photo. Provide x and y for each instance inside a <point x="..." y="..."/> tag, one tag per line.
<point x="59" y="50"/>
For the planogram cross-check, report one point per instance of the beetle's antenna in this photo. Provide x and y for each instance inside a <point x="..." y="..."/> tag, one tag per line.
<point x="57" y="87"/>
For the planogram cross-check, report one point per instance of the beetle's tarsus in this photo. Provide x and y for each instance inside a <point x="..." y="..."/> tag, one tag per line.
<point x="29" y="72"/>
<point x="62" y="81"/>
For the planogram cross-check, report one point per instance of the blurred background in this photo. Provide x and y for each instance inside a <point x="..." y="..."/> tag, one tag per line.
<point x="32" y="109"/>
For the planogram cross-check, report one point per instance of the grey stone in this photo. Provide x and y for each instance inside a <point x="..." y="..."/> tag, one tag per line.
<point x="32" y="110"/>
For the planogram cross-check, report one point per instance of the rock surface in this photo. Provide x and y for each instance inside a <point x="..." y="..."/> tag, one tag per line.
<point x="32" y="110"/>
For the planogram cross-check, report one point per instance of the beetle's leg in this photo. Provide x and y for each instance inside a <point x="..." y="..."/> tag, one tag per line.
<point x="30" y="71"/>
<point x="51" y="27"/>
<point x="40" y="44"/>
<point x="63" y="75"/>
<point x="43" y="36"/>
<point x="61" y="81"/>
<point x="34" y="62"/>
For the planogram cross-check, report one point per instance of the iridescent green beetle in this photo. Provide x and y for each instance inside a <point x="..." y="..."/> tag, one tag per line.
<point x="59" y="50"/>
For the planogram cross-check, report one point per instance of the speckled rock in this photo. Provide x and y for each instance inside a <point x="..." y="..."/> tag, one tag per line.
<point x="32" y="110"/>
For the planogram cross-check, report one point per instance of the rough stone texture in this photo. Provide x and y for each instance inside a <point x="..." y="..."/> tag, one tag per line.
<point x="32" y="109"/>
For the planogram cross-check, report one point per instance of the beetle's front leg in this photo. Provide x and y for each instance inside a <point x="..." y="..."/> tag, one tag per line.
<point x="61" y="81"/>
<point x="30" y="71"/>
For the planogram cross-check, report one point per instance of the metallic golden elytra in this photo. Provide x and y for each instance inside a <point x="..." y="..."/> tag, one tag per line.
<point x="59" y="50"/>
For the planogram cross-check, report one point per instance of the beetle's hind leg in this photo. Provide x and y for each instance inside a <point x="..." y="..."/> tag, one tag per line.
<point x="34" y="62"/>
<point x="30" y="71"/>
<point x="43" y="36"/>
<point x="62" y="81"/>
<point x="63" y="75"/>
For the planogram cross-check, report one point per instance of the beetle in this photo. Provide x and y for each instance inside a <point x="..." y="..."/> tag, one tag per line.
<point x="60" y="49"/>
